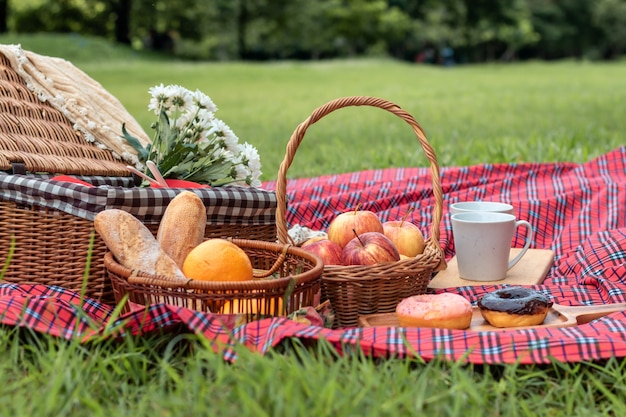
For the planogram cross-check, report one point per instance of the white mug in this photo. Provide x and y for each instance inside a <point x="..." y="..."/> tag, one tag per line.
<point x="490" y="206"/>
<point x="483" y="244"/>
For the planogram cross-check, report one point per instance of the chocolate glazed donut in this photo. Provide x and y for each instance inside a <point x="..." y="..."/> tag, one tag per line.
<point x="514" y="307"/>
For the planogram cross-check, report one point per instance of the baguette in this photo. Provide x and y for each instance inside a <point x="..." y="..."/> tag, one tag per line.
<point x="182" y="226"/>
<point x="133" y="245"/>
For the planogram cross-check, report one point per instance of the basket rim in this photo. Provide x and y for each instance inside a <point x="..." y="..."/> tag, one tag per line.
<point x="382" y="268"/>
<point x="260" y="284"/>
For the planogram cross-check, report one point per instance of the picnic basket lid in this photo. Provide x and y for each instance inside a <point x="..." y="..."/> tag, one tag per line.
<point x="55" y="119"/>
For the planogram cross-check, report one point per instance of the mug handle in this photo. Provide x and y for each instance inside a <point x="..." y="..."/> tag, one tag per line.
<point x="529" y="239"/>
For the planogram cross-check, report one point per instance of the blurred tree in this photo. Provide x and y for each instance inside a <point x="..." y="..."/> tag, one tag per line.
<point x="356" y="23"/>
<point x="243" y="18"/>
<point x="183" y="27"/>
<point x="496" y="28"/>
<point x="609" y="16"/>
<point x="565" y="29"/>
<point x="477" y="30"/>
<point x="62" y="16"/>
<point x="292" y="29"/>
<point x="308" y="33"/>
<point x="4" y="16"/>
<point x="395" y="28"/>
<point x="121" y="10"/>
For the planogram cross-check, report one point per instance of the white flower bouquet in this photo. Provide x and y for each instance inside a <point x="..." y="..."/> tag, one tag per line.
<point x="191" y="144"/>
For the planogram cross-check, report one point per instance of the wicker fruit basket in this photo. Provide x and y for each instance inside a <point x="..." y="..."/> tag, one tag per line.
<point x="286" y="279"/>
<point x="359" y="290"/>
<point x="51" y="222"/>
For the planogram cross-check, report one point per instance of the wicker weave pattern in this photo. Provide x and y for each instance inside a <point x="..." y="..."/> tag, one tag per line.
<point x="298" y="283"/>
<point x="52" y="223"/>
<point x="52" y="248"/>
<point x="38" y="137"/>
<point x="358" y="290"/>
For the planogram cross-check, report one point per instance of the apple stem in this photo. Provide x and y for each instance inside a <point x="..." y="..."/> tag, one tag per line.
<point x="409" y="211"/>
<point x="357" y="236"/>
<point x="358" y="206"/>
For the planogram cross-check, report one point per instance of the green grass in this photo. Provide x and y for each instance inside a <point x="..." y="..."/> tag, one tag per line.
<point x="179" y="376"/>
<point x="75" y="48"/>
<point x="526" y="112"/>
<point x="564" y="111"/>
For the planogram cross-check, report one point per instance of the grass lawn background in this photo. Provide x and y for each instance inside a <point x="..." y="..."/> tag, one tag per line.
<point x="564" y="111"/>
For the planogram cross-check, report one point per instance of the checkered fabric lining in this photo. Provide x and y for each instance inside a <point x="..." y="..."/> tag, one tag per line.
<point x="225" y="205"/>
<point x="576" y="210"/>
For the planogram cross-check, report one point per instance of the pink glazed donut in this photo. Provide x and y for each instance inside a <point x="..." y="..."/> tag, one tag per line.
<point x="445" y="310"/>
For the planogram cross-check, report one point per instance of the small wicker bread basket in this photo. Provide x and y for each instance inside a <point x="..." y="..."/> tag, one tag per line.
<point x="287" y="278"/>
<point x="359" y="290"/>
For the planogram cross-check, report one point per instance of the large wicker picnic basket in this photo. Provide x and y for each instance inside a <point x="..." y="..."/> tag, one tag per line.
<point x="358" y="290"/>
<point x="46" y="226"/>
<point x="287" y="278"/>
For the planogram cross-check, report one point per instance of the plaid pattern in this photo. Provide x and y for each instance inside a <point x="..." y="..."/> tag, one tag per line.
<point x="225" y="205"/>
<point x="576" y="210"/>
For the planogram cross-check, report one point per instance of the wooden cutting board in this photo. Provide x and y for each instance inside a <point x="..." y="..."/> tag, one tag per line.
<point x="558" y="316"/>
<point x="530" y="270"/>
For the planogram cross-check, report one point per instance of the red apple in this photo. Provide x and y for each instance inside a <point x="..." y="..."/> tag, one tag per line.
<point x="368" y="249"/>
<point x="313" y="239"/>
<point x="342" y="227"/>
<point x="407" y="237"/>
<point x="327" y="250"/>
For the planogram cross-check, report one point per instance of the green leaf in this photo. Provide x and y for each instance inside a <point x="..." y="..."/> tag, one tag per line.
<point x="165" y="135"/>
<point x="211" y="174"/>
<point x="142" y="153"/>
<point x="180" y="153"/>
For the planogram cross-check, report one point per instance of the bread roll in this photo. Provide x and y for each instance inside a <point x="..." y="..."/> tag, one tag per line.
<point x="182" y="226"/>
<point x="133" y="245"/>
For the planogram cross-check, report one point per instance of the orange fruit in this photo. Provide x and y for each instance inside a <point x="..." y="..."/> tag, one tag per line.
<point x="260" y="307"/>
<point x="217" y="260"/>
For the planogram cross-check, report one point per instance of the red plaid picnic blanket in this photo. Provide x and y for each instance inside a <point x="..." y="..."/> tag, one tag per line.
<point x="577" y="210"/>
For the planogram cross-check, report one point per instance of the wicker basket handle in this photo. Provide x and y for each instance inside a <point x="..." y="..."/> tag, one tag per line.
<point x="298" y="135"/>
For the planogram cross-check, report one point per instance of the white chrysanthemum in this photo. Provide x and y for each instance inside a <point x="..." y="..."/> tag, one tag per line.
<point x="231" y="141"/>
<point x="180" y="98"/>
<point x="217" y="126"/>
<point x="185" y="118"/>
<point x="242" y="173"/>
<point x="202" y="139"/>
<point x="203" y="101"/>
<point x="158" y="91"/>
<point x="221" y="154"/>
<point x="256" y="182"/>
<point x="227" y="155"/>
<point x="226" y="135"/>
<point x="173" y="90"/>
<point x="251" y="155"/>
<point x="204" y="119"/>
<point x="160" y="98"/>
<point x="209" y="140"/>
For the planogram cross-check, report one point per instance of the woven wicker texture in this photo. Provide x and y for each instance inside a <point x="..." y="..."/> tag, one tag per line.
<point x="50" y="224"/>
<point x="288" y="279"/>
<point x="35" y="137"/>
<point x="52" y="248"/>
<point x="358" y="290"/>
